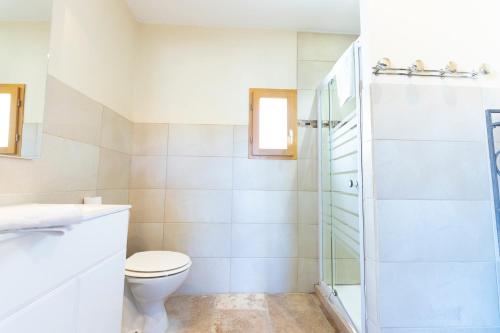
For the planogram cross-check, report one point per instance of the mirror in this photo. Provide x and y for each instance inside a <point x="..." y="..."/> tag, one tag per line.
<point x="24" y="44"/>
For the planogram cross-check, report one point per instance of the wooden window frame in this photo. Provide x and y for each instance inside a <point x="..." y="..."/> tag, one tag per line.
<point x="254" y="152"/>
<point x="17" y="91"/>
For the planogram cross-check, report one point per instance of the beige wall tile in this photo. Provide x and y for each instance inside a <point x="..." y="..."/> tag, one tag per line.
<point x="114" y="197"/>
<point x="65" y="165"/>
<point x="69" y="114"/>
<point x="148" y="172"/>
<point x="200" y="140"/>
<point x="116" y="132"/>
<point x="264" y="240"/>
<point x="198" y="206"/>
<point x="18" y="175"/>
<point x="308" y="174"/>
<point x="307" y="143"/>
<point x="308" y="241"/>
<point x="308" y="207"/>
<point x="150" y="139"/>
<point x="444" y="166"/>
<point x="17" y="198"/>
<point x="308" y="275"/>
<point x="31" y="140"/>
<point x="431" y="229"/>
<point x="70" y="197"/>
<point x="306" y="109"/>
<point x="468" y="286"/>
<point x="264" y="174"/>
<point x="199" y="172"/>
<point x="114" y="170"/>
<point x="240" y="141"/>
<point x="273" y="275"/>
<point x="264" y="206"/>
<point x="198" y="239"/>
<point x="207" y="276"/>
<point x="73" y="197"/>
<point x="144" y="237"/>
<point x="147" y="205"/>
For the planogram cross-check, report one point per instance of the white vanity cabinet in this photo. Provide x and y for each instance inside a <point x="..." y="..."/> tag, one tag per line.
<point x="66" y="283"/>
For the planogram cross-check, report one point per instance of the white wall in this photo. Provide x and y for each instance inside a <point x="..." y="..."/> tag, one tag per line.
<point x="202" y="75"/>
<point x="25" y="46"/>
<point x="434" y="31"/>
<point x="92" y="49"/>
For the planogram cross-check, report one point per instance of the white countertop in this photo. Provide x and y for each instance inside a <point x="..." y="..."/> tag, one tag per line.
<point x="39" y="217"/>
<point x="94" y="211"/>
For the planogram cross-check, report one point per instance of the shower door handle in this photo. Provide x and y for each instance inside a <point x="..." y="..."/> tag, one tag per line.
<point x="353" y="183"/>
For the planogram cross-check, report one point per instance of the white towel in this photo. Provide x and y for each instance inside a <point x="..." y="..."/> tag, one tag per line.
<point x="344" y="73"/>
<point x="56" y="231"/>
<point x="40" y="218"/>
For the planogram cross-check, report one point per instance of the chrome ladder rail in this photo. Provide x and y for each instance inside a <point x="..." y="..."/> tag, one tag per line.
<point x="495" y="172"/>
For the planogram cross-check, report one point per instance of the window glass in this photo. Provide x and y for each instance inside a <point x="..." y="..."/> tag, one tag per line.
<point x="5" y="103"/>
<point x="273" y="123"/>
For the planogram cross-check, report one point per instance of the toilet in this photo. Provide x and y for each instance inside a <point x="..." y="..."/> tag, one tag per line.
<point x="152" y="276"/>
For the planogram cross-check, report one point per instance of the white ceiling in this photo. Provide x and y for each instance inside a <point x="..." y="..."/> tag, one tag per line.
<point x="340" y="16"/>
<point x="23" y="10"/>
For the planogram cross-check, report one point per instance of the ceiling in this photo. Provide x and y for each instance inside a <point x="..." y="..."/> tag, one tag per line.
<point x="17" y="10"/>
<point x="341" y="16"/>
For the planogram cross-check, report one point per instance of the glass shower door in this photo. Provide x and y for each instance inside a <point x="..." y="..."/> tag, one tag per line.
<point x="340" y="197"/>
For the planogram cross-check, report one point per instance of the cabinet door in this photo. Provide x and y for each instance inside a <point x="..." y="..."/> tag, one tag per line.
<point x="53" y="313"/>
<point x="101" y="297"/>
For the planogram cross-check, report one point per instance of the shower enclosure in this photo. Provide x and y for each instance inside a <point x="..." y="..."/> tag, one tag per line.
<point x="340" y="189"/>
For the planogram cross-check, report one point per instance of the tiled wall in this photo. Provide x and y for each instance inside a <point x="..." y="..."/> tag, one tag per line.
<point x="194" y="190"/>
<point x="85" y="151"/>
<point x="430" y="244"/>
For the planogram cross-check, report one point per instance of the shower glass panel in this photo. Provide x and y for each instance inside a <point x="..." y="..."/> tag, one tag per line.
<point x="340" y="194"/>
<point x="326" y="195"/>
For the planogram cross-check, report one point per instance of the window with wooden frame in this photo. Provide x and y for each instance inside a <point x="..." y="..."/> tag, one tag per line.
<point x="272" y="127"/>
<point x="11" y="117"/>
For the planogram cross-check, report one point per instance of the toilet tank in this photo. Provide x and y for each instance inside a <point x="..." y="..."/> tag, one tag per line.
<point x="65" y="283"/>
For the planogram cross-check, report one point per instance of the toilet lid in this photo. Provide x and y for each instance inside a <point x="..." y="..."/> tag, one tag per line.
<point x="156" y="261"/>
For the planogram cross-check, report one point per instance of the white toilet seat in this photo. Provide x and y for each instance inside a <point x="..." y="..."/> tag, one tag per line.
<point x="154" y="264"/>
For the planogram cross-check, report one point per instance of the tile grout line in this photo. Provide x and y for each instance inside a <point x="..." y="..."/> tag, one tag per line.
<point x="231" y="214"/>
<point x="165" y="188"/>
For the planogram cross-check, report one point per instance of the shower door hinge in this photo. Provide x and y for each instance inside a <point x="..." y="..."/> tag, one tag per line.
<point x="307" y="123"/>
<point x="251" y="139"/>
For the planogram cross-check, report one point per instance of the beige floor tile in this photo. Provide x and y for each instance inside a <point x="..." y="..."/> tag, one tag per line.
<point x="247" y="313"/>
<point x="242" y="321"/>
<point x="297" y="313"/>
<point x="191" y="314"/>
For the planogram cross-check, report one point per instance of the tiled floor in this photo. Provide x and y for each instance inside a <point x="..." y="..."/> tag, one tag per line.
<point x="247" y="313"/>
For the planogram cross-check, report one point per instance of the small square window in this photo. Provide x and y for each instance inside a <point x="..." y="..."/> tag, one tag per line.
<point x="11" y="117"/>
<point x="273" y="124"/>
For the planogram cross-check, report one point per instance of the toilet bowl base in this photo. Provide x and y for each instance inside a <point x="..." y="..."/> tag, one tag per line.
<point x="154" y="316"/>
